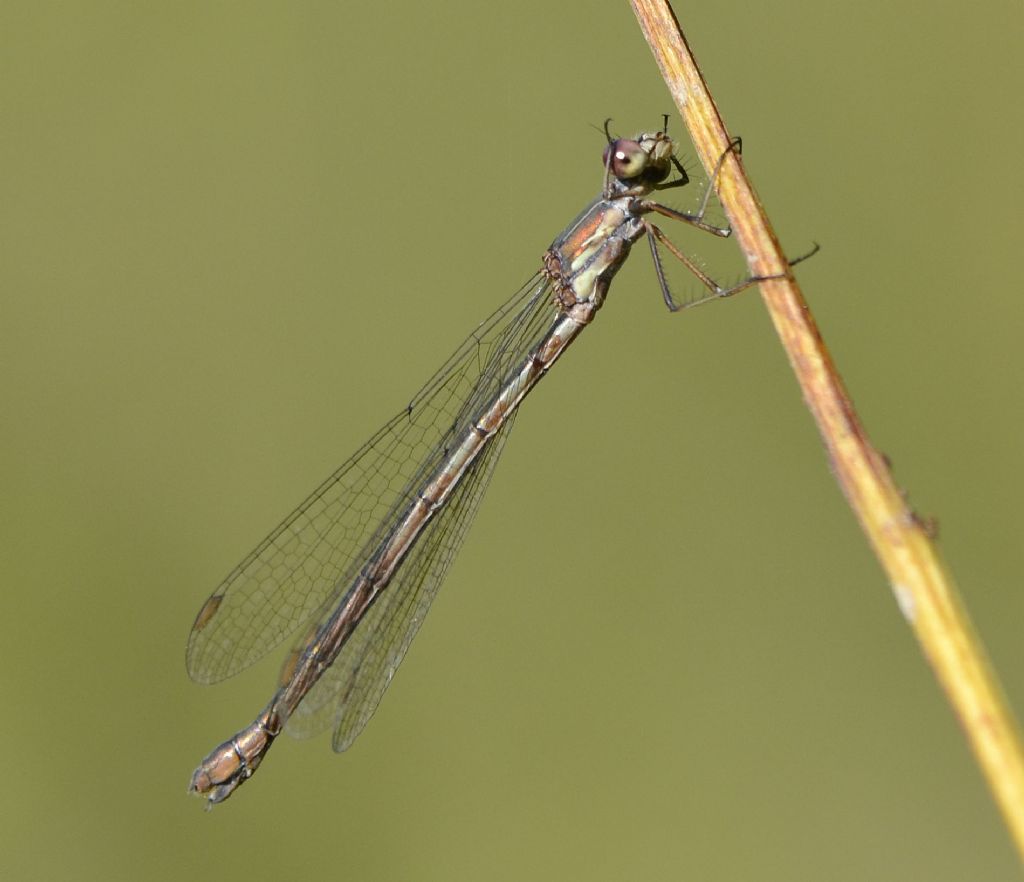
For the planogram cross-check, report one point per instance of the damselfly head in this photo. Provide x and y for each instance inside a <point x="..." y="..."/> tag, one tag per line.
<point x="646" y="159"/>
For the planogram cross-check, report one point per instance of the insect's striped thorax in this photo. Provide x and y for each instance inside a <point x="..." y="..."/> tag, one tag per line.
<point x="582" y="261"/>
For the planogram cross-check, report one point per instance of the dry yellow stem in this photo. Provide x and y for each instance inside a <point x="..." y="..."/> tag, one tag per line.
<point x="923" y="587"/>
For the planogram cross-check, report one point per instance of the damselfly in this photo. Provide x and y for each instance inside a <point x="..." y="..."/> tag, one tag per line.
<point x="357" y="564"/>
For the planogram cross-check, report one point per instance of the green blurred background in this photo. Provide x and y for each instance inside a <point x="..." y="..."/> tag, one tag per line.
<point x="238" y="236"/>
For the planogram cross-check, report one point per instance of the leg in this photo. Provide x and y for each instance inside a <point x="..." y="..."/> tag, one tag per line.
<point x="681" y="181"/>
<point x="715" y="291"/>
<point x="697" y="219"/>
<point x="654" y="236"/>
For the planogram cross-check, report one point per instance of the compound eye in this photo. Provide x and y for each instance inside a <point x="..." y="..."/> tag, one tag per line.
<point x="628" y="159"/>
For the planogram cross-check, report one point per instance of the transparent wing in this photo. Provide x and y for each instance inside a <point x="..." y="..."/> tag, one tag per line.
<point x="347" y="694"/>
<point x="306" y="560"/>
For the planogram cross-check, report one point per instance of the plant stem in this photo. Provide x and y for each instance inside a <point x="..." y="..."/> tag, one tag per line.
<point x="902" y="542"/>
